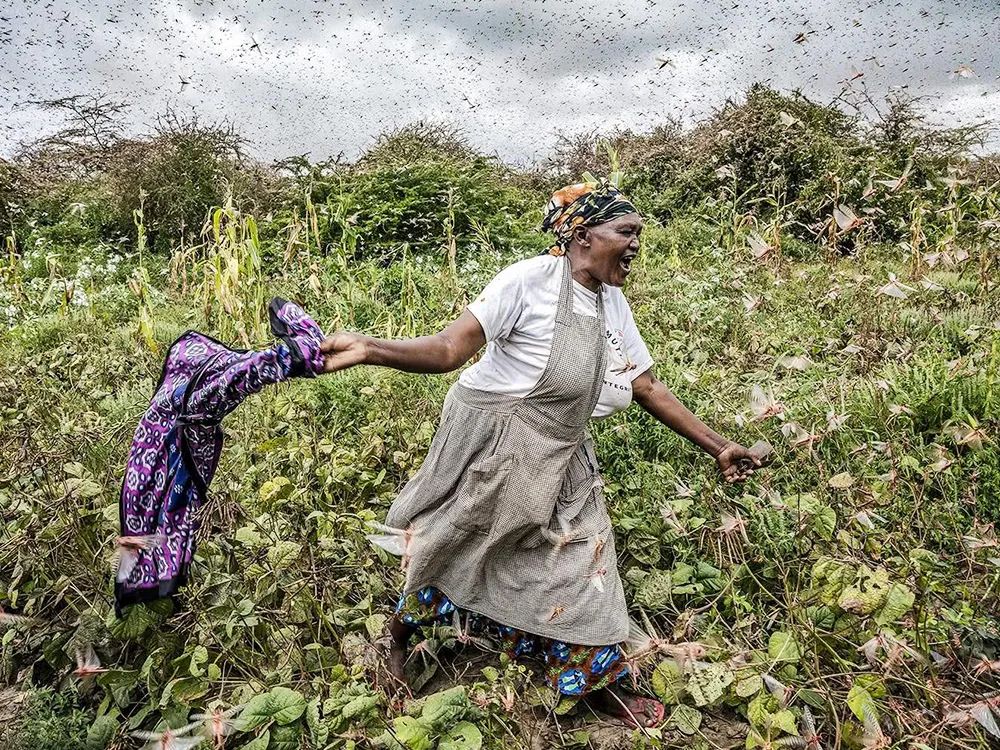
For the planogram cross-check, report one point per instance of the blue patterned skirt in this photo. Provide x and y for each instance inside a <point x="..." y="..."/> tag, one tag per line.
<point x="570" y="668"/>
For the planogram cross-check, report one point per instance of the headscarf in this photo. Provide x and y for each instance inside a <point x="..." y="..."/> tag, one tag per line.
<point x="583" y="204"/>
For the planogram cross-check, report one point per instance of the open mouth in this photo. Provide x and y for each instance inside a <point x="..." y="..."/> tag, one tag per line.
<point x="626" y="263"/>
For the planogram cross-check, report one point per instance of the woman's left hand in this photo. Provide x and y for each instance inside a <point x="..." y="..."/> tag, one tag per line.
<point x="736" y="462"/>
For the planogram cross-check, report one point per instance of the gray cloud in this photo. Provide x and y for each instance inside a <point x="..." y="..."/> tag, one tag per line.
<point x="327" y="77"/>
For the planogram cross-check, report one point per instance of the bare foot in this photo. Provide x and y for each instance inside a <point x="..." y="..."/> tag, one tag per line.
<point x="634" y="710"/>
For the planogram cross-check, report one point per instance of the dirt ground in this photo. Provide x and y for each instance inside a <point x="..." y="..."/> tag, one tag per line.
<point x="11" y="702"/>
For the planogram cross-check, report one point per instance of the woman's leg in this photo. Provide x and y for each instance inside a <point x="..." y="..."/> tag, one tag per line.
<point x="400" y="633"/>
<point x="428" y="606"/>
<point x="589" y="672"/>
<point x="594" y="673"/>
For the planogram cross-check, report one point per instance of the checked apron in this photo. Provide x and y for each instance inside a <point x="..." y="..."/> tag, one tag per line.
<point x="507" y="512"/>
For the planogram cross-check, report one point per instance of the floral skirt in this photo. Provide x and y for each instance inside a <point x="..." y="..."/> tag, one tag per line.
<point x="570" y="668"/>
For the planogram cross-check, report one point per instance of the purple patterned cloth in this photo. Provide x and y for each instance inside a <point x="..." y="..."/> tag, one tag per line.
<point x="176" y="446"/>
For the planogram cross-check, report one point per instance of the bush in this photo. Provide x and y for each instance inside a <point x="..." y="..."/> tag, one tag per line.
<point x="785" y="159"/>
<point x="419" y="187"/>
<point x="11" y="198"/>
<point x="651" y="163"/>
<point x="180" y="173"/>
<point x="50" y="721"/>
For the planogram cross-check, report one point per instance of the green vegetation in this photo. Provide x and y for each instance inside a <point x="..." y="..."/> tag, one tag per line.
<point x="828" y="286"/>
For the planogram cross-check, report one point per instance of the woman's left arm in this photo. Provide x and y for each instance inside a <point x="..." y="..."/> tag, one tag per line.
<point x="735" y="462"/>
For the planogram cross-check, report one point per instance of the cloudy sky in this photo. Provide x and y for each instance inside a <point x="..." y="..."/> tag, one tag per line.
<point x="318" y="77"/>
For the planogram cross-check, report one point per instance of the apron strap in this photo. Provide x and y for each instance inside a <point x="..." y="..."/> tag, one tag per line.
<point x="564" y="310"/>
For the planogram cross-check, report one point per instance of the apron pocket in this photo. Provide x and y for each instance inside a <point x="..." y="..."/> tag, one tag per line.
<point x="579" y="509"/>
<point x="582" y="514"/>
<point x="482" y="493"/>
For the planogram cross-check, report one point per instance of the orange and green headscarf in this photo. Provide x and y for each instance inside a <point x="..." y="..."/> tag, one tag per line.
<point x="584" y="204"/>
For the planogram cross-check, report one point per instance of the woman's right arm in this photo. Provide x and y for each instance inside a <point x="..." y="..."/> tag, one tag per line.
<point x="442" y="352"/>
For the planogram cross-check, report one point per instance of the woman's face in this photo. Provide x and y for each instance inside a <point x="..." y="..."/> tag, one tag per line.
<point x="613" y="246"/>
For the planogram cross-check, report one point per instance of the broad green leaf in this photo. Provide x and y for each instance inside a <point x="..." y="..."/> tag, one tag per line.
<point x="283" y="553"/>
<point x="858" y="698"/>
<point x="824" y="522"/>
<point x="823" y="517"/>
<point x="841" y="481"/>
<point x="256" y="713"/>
<point x="260" y="742"/>
<point x="822" y="616"/>
<point x="139" y="618"/>
<point x="867" y="591"/>
<point x="703" y="570"/>
<point x="360" y="705"/>
<point x="249" y="536"/>
<point x="447" y="705"/>
<point x="413" y="733"/>
<point x="319" y="732"/>
<point x="686" y="719"/>
<point x="101" y="732"/>
<point x="286" y="705"/>
<point x="490" y="674"/>
<point x="872" y="683"/>
<point x="812" y="697"/>
<point x="706" y="686"/>
<point x="199" y="655"/>
<point x="566" y="704"/>
<point x="668" y="682"/>
<point x="645" y="548"/>
<point x="749" y="686"/>
<point x="183" y="690"/>
<point x="781" y="647"/>
<point x="135" y="721"/>
<point x="898" y="601"/>
<point x="275" y="490"/>
<point x="828" y="579"/>
<point x="286" y="737"/>
<point x="805" y="502"/>
<point x="683" y="573"/>
<point x="923" y="559"/>
<point x="785" y="721"/>
<point x="82" y="487"/>
<point x="760" y="710"/>
<point x="118" y="678"/>
<point x="375" y="624"/>
<point x="655" y="589"/>
<point x="463" y="736"/>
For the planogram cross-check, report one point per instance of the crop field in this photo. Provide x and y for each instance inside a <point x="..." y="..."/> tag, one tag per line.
<point x="827" y="285"/>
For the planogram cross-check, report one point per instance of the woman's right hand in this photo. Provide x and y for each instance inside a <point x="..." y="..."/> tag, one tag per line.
<point x="343" y="350"/>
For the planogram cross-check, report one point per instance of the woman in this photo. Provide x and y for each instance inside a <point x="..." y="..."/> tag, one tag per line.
<point x="506" y="526"/>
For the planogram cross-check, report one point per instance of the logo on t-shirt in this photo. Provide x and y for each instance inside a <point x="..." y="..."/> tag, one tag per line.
<point x="618" y="360"/>
<point x="617" y="389"/>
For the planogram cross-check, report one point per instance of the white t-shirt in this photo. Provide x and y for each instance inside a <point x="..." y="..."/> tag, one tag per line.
<point x="517" y="311"/>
